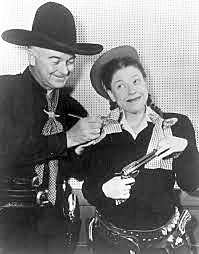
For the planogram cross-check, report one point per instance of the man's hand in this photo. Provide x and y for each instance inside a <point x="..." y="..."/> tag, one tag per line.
<point x="86" y="129"/>
<point x="118" y="188"/>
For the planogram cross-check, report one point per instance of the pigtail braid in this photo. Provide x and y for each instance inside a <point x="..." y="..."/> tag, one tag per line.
<point x="152" y="105"/>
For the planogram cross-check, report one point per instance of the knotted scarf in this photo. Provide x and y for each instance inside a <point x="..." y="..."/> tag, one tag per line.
<point x="52" y="126"/>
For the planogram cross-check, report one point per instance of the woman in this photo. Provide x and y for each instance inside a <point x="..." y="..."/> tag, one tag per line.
<point x="138" y="214"/>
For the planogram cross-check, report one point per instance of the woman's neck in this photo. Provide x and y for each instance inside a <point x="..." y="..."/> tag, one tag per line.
<point x="135" y="119"/>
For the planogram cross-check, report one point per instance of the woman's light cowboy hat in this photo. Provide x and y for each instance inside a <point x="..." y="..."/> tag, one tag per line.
<point x="53" y="28"/>
<point x="97" y="68"/>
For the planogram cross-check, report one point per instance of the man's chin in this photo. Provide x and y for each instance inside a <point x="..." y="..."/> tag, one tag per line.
<point x="59" y="84"/>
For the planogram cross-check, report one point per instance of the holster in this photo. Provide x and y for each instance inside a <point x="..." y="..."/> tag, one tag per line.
<point x="71" y="212"/>
<point x="62" y="219"/>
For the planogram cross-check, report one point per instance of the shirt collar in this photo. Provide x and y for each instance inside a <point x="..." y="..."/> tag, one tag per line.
<point x="125" y="125"/>
<point x="27" y="75"/>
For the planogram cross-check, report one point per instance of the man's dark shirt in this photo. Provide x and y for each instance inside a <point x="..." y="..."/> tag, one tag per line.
<point x="22" y="146"/>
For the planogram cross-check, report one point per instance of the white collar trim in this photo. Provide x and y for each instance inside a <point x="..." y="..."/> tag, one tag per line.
<point x="125" y="125"/>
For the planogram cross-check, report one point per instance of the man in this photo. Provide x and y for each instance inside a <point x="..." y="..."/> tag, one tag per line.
<point x="37" y="136"/>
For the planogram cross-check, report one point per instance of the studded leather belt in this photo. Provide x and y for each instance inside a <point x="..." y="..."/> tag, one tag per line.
<point x="171" y="233"/>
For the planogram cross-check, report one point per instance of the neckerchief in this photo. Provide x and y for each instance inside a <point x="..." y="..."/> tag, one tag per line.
<point x="52" y="126"/>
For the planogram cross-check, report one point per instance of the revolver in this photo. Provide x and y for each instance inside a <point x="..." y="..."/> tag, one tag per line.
<point x="132" y="169"/>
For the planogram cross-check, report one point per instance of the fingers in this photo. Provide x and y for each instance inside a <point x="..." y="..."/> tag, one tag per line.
<point x="86" y="129"/>
<point x="93" y="119"/>
<point x="125" y="195"/>
<point x="128" y="181"/>
<point x="91" y="126"/>
<point x="117" y="188"/>
<point x="127" y="187"/>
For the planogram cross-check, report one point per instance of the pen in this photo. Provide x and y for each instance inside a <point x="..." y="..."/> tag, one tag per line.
<point x="73" y="115"/>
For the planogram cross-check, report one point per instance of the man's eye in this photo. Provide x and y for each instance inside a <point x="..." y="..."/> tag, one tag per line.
<point x="71" y="61"/>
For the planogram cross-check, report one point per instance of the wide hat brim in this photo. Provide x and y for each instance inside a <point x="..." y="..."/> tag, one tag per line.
<point x="96" y="70"/>
<point x="23" y="37"/>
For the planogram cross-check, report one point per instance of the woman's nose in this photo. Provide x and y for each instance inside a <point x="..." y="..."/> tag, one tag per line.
<point x="131" y="89"/>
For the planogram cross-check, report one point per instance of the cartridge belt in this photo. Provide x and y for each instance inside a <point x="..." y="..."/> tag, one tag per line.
<point x="169" y="234"/>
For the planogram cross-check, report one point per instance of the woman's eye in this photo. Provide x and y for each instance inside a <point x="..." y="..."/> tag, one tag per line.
<point x="55" y="62"/>
<point x="136" y="81"/>
<point x="119" y="86"/>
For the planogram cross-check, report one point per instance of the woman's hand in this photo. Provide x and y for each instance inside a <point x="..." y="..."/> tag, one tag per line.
<point x="171" y="145"/>
<point x="118" y="188"/>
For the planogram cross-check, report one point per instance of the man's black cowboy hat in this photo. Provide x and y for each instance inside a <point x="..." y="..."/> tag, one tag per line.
<point x="53" y="28"/>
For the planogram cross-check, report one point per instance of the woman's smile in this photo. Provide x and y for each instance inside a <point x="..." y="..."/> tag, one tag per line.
<point x="135" y="99"/>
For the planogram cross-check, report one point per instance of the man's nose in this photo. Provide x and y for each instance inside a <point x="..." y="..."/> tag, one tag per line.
<point x="66" y="68"/>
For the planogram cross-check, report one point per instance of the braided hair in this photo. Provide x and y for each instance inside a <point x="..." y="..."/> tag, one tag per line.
<point x="155" y="108"/>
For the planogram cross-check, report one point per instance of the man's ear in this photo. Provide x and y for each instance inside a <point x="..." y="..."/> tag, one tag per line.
<point x="31" y="56"/>
<point x="111" y="95"/>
